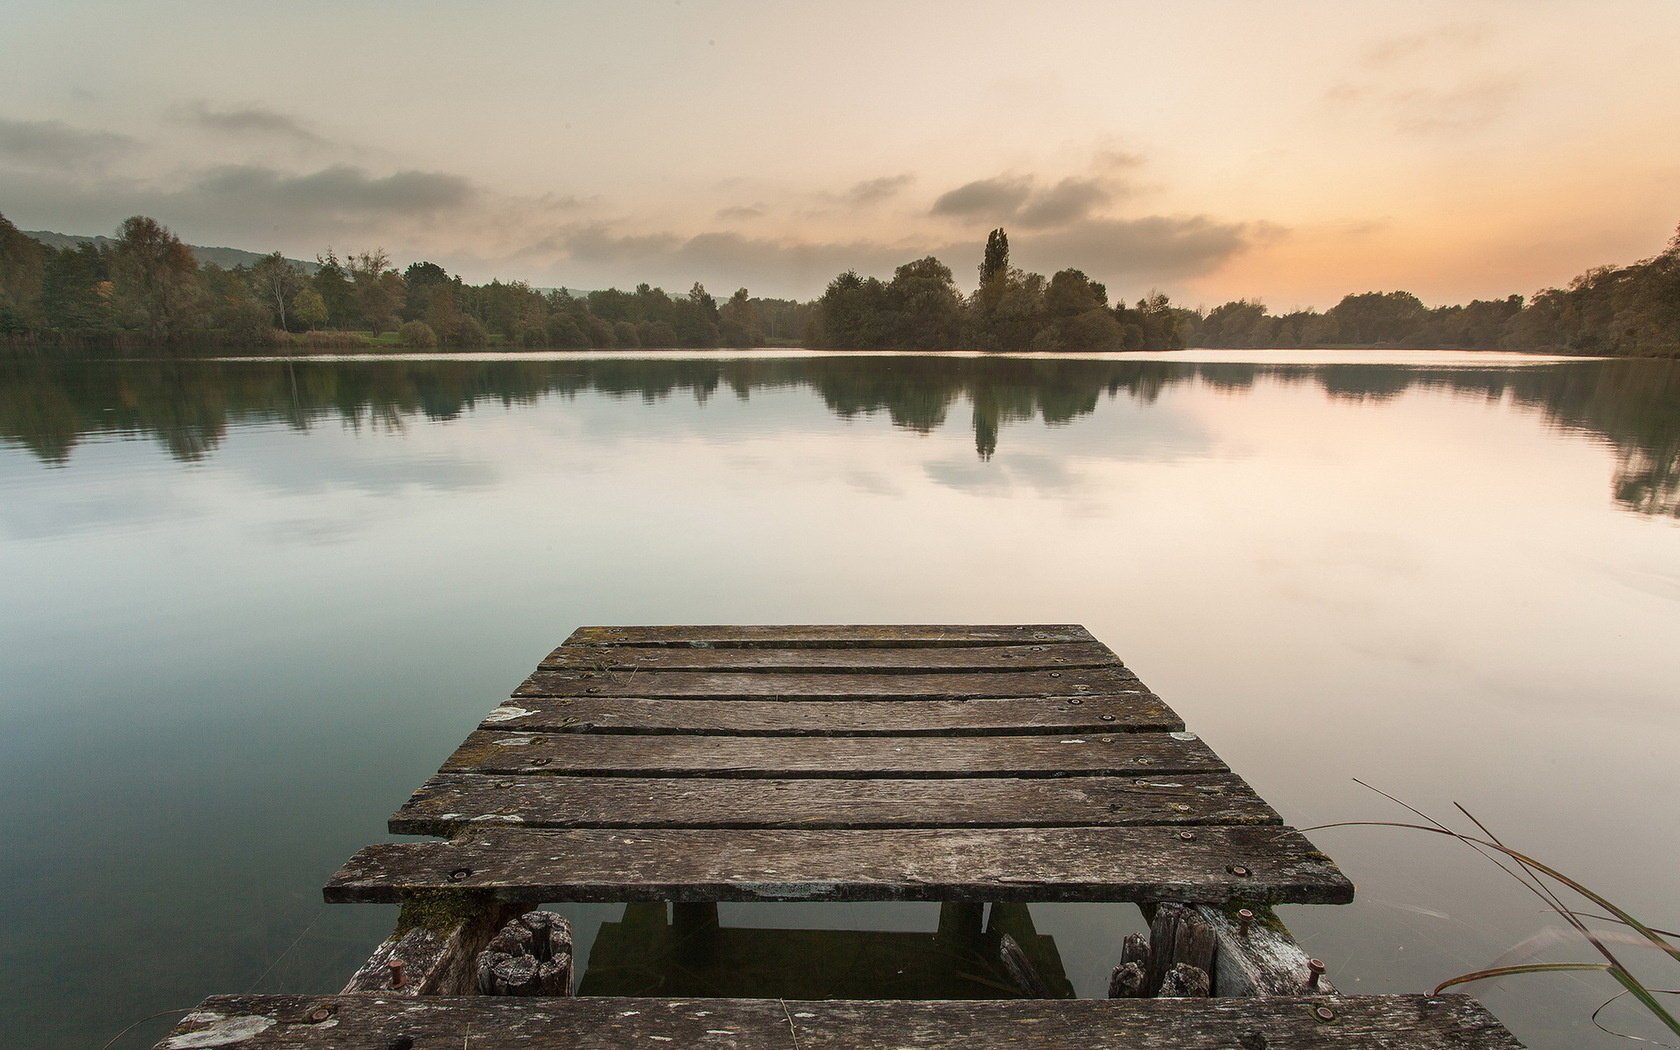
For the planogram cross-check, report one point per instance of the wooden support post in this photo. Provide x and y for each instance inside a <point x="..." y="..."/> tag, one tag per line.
<point x="1255" y="955"/>
<point x="1179" y="936"/>
<point x="961" y="923"/>
<point x="1020" y="968"/>
<point x="434" y="948"/>
<point x="531" y="955"/>
<point x="1130" y="980"/>
<point x="695" y="928"/>
<point x="1239" y="951"/>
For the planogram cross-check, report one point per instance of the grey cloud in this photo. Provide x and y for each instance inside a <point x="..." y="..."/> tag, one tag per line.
<point x="55" y="145"/>
<point x="251" y="120"/>
<point x="259" y="207"/>
<point x="595" y="255"/>
<point x="990" y="199"/>
<point x="1066" y="201"/>
<point x="1147" y="250"/>
<point x="1116" y="160"/>
<point x="741" y="211"/>
<point x="1131" y="253"/>
<point x="1020" y="198"/>
<point x="340" y="189"/>
<point x="873" y="191"/>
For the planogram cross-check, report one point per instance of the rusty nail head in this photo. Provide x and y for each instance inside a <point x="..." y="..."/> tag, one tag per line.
<point x="459" y="874"/>
<point x="320" y="1015"/>
<point x="1141" y="761"/>
<point x="1239" y="871"/>
<point x="539" y="761"/>
<point x="396" y="966"/>
<point x="1055" y="674"/>
<point x="1076" y="701"/>
<point x="1244" y="917"/>
<point x="1324" y="1013"/>
<point x="1187" y="836"/>
<point x="1315" y="970"/>
<point x="1108" y="718"/>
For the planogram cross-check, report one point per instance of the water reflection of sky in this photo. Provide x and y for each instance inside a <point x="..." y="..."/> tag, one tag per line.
<point x="224" y="671"/>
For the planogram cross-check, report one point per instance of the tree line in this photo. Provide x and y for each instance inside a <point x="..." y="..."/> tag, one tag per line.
<point x="1631" y="310"/>
<point x="145" y="289"/>
<point x="920" y="308"/>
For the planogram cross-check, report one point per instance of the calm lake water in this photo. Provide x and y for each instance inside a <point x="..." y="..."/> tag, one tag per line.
<point x="248" y="606"/>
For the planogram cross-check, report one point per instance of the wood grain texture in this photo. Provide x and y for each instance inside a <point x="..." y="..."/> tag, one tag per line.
<point x="1127" y="712"/>
<point x="1261" y="960"/>
<point x="787" y="636"/>
<point x="438" y="958"/>
<point x="887" y="660"/>
<point x="993" y="864"/>
<point x="365" y="1022"/>
<point x="810" y="685"/>
<point x="586" y="754"/>
<point x="453" y="802"/>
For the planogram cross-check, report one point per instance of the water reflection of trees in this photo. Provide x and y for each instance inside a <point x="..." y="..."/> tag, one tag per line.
<point x="51" y="406"/>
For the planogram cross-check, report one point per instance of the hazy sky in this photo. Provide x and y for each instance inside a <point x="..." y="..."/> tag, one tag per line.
<point x="1290" y="151"/>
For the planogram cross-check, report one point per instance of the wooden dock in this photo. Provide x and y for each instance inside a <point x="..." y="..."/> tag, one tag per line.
<point x="974" y="766"/>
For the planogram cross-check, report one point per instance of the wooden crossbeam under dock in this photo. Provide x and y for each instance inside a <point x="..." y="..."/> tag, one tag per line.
<point x="1008" y="763"/>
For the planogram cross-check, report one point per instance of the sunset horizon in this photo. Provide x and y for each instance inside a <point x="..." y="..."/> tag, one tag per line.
<point x="1212" y="152"/>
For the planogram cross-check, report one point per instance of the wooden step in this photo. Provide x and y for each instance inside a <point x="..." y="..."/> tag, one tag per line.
<point x="372" y="1022"/>
<point x="1211" y="865"/>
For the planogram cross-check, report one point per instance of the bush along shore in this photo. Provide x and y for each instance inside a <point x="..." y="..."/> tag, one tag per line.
<point x="144" y="291"/>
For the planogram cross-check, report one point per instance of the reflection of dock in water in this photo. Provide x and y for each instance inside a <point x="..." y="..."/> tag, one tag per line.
<point x="673" y="768"/>
<point x="652" y="952"/>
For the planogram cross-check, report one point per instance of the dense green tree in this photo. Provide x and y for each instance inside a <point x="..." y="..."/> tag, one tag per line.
<point x="236" y="313"/>
<point x="417" y="335"/>
<point x="76" y="290"/>
<point x="738" y="323"/>
<point x="1376" y="317"/>
<point x="309" y="309"/>
<point x="564" y="333"/>
<point x="277" y="282"/>
<point x="23" y="265"/>
<point x="154" y="279"/>
<point x="926" y="307"/>
<point x="379" y="289"/>
<point x="332" y="283"/>
<point x="995" y="263"/>
<point x="418" y="280"/>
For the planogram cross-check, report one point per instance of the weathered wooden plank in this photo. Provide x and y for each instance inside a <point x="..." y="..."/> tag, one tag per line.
<point x="1207" y="865"/>
<point x="1127" y="712"/>
<point x="886" y="660"/>
<point x="365" y="1022"/>
<point x="784" y="636"/>
<point x="450" y="803"/>
<point x="807" y="685"/>
<point x="585" y="754"/>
